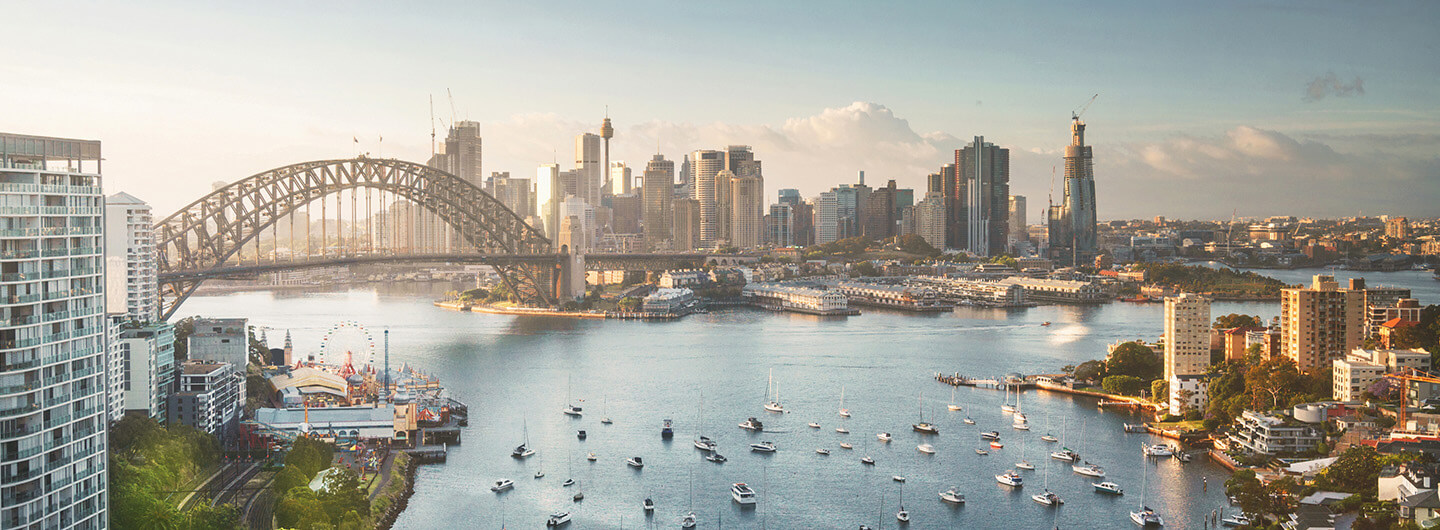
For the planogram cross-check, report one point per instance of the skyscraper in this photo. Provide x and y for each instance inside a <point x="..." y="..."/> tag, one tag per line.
<point x="781" y="225"/>
<point x="54" y="359"/>
<point x="619" y="182"/>
<point x="704" y="165"/>
<point x="130" y="274"/>
<point x="589" y="168"/>
<point x="790" y="196"/>
<point x="880" y="213"/>
<point x="1320" y="323"/>
<point x="1072" y="222"/>
<point x="657" y="188"/>
<point x="685" y="229"/>
<point x="827" y="218"/>
<point x="1187" y="335"/>
<point x="1018" y="230"/>
<point x="460" y="153"/>
<point x="515" y="193"/>
<point x="955" y="201"/>
<point x="549" y="191"/>
<point x="984" y="173"/>
<point x="930" y="219"/>
<point x="748" y="196"/>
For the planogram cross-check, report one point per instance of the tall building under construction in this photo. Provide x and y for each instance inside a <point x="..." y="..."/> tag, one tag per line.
<point x="1072" y="222"/>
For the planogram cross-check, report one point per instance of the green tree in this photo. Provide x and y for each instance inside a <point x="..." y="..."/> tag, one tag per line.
<point x="1128" y="385"/>
<point x="1236" y="320"/>
<point x="287" y="479"/>
<point x="1135" y="359"/>
<point x="1090" y="370"/>
<point x="1159" y="390"/>
<point x="1356" y="470"/>
<point x="300" y="508"/>
<point x="866" y="268"/>
<point x="342" y="493"/>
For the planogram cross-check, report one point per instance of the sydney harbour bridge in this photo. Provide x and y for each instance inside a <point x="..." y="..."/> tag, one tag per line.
<point x="220" y="234"/>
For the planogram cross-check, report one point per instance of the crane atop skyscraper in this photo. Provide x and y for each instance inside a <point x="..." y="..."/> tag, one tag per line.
<point x="1075" y="114"/>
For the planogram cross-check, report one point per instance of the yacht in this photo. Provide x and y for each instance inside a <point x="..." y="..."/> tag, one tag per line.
<point x="1065" y="454"/>
<point x="952" y="406"/>
<point x="1107" y="487"/>
<point x="981" y="452"/>
<point x="1020" y="426"/>
<point x="635" y="462"/>
<point x="558" y="519"/>
<point x="667" y="430"/>
<point x="705" y="444"/>
<point x="573" y="410"/>
<point x="522" y="451"/>
<point x="1026" y="465"/>
<point x="1146" y="517"/>
<point x="926" y="428"/>
<point x="884" y="436"/>
<point x="774" y="404"/>
<point x="1135" y="427"/>
<point x="903" y="515"/>
<point x="502" y="485"/>
<point x="1049" y="438"/>
<point x="844" y="412"/>
<point x="1157" y="450"/>
<point x="752" y="424"/>
<point x="926" y="448"/>
<point x="968" y="421"/>
<point x="649" y="505"/>
<point x="814" y="425"/>
<point x="716" y="458"/>
<point x="842" y="430"/>
<point x="846" y="445"/>
<point x="1049" y="498"/>
<point x="992" y="435"/>
<point x="822" y="451"/>
<point x="763" y="447"/>
<point x="867" y="460"/>
<point x="580" y="434"/>
<point x="742" y="493"/>
<point x="1089" y="470"/>
<point x="1007" y="408"/>
<point x="591" y="456"/>
<point x="1010" y="478"/>
<point x="952" y="496"/>
<point x="1238" y="519"/>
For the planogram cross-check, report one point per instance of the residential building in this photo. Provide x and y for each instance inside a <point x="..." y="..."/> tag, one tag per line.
<point x="1258" y="432"/>
<point x="1406" y="309"/>
<point x="685" y="229"/>
<point x="1397" y="228"/>
<point x="1018" y="230"/>
<point x="1237" y="341"/>
<point x="1188" y="393"/>
<point x="222" y="340"/>
<point x="1350" y="377"/>
<point x="148" y="373"/>
<point x="53" y="353"/>
<point x="131" y="283"/>
<point x="780" y="231"/>
<point x="747" y="197"/>
<point x="115" y="367"/>
<point x="827" y="218"/>
<point x="1072" y="222"/>
<point x="1320" y="323"/>
<point x="1187" y="336"/>
<point x="1394" y="360"/>
<point x="656" y="191"/>
<point x="930" y="219"/>
<point x="984" y="173"/>
<point x="211" y="398"/>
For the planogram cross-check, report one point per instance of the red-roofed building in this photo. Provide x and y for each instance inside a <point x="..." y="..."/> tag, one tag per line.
<point x="1391" y="328"/>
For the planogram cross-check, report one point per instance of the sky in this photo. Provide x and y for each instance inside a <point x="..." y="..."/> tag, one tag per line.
<point x="1205" y="110"/>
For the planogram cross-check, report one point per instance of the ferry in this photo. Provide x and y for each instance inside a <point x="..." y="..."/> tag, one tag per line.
<point x="502" y="485"/>
<point x="1010" y="478"/>
<point x="742" y="493"/>
<point x="752" y="424"/>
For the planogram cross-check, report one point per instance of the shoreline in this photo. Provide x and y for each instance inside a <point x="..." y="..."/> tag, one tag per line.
<point x="516" y="311"/>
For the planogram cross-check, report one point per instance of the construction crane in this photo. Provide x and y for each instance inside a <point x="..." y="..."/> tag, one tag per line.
<point x="1075" y="114"/>
<point x="1405" y="377"/>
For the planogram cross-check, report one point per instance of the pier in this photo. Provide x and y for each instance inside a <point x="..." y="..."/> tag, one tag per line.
<point x="999" y="383"/>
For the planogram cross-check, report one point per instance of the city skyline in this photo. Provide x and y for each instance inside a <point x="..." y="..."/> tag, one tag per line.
<point x="1314" y="111"/>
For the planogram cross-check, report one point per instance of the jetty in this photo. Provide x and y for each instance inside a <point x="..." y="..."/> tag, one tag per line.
<point x="996" y="383"/>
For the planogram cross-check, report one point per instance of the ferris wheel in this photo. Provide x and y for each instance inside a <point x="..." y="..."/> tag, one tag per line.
<point x="347" y="344"/>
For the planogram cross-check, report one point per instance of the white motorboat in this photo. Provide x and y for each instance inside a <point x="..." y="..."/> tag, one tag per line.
<point x="1239" y="519"/>
<point x="705" y="444"/>
<point x="1146" y="517"/>
<point x="774" y="404"/>
<point x="814" y="425"/>
<point x="635" y="462"/>
<point x="1049" y="498"/>
<point x="1010" y="478"/>
<point x="952" y="496"/>
<point x="763" y="447"/>
<point x="884" y="436"/>
<point x="591" y="457"/>
<point x="992" y="435"/>
<point x="926" y="448"/>
<point x="1157" y="450"/>
<point x="1089" y="470"/>
<point x="649" y="505"/>
<point x="822" y="451"/>
<point x="846" y="445"/>
<point x="688" y="521"/>
<point x="867" y="460"/>
<point x="1026" y="465"/>
<point x="558" y="519"/>
<point x="981" y="452"/>
<point x="716" y="458"/>
<point x="842" y="430"/>
<point x="968" y="421"/>
<point x="752" y="424"/>
<point x="502" y="485"/>
<point x="568" y="482"/>
<point x="539" y="473"/>
<point x="1107" y="487"/>
<point x="742" y="493"/>
<point x="1021" y="426"/>
<point x="1049" y="438"/>
<point x="897" y="478"/>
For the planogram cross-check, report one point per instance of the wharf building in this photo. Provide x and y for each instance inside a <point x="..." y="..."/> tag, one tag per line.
<point x="975" y="291"/>
<point x="53" y="355"/>
<point x="906" y="297"/>
<point x="665" y="300"/>
<point x="1072" y="232"/>
<point x="1060" y="291"/>
<point x="1321" y="323"/>
<point x="798" y="299"/>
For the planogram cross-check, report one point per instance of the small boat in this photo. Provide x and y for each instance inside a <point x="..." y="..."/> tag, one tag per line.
<point x="952" y="496"/>
<point x="926" y="448"/>
<point x="981" y="452"/>
<point x="1135" y="428"/>
<point x="1089" y="470"/>
<point x="898" y="478"/>
<point x="1238" y="519"/>
<point x="1107" y="487"/>
<point x="926" y="428"/>
<point x="1065" y="454"/>
<point x="579" y="496"/>
<point x="952" y="406"/>
<point x="867" y="460"/>
<point x="822" y="451"/>
<point x="903" y="515"/>
<point x="752" y="424"/>
<point x="1007" y="409"/>
<point x="716" y="458"/>
<point x="1010" y="478"/>
<point x="968" y="421"/>
<point x="997" y="445"/>
<point x="606" y="421"/>
<point x="1157" y="450"/>
<point x="884" y="436"/>
<point x="590" y="456"/>
<point x="522" y="451"/>
<point x="539" y="473"/>
<point x="814" y="425"/>
<point x="1020" y="426"/>
<point x="635" y="462"/>
<point x="1146" y="517"/>
<point x="844" y="445"/>
<point x="648" y="505"/>
<point x="580" y="434"/>
<point x="1046" y="323"/>
<point x="1026" y="465"/>
<point x="742" y="493"/>
<point x="774" y="404"/>
<point x="763" y="447"/>
<point x="992" y="435"/>
<point x="568" y="482"/>
<point x="688" y="521"/>
<point x="842" y="430"/>
<point x="705" y="444"/>
<point x="573" y="410"/>
<point x="1049" y="438"/>
<point x="844" y="412"/>
<point x="1183" y="457"/>
<point x="667" y="430"/>
<point x="558" y="519"/>
<point x="502" y="485"/>
<point x="1049" y="498"/>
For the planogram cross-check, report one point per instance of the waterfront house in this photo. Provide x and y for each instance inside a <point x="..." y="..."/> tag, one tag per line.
<point x="1264" y="433"/>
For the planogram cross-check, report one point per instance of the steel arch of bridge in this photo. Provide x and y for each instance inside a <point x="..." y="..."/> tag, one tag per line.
<point x="202" y="236"/>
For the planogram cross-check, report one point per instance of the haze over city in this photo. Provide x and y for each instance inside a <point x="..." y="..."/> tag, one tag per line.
<point x="1204" y="110"/>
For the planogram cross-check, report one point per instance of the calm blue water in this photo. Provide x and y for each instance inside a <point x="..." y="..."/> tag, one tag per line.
<point x="513" y="371"/>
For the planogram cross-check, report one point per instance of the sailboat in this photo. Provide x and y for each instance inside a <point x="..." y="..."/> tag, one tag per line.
<point x="524" y="450"/>
<point x="774" y="404"/>
<point x="1145" y="516"/>
<point x="844" y="412"/>
<point x="1007" y="407"/>
<point x="688" y="520"/>
<point x="1023" y="463"/>
<point x="570" y="408"/>
<point x="903" y="515"/>
<point x="1048" y="498"/>
<point x="923" y="427"/>
<point x="952" y="406"/>
<point x="1020" y="422"/>
<point x="605" y="409"/>
<point x="1064" y="453"/>
<point x="1049" y="419"/>
<point x="704" y="443"/>
<point x="1086" y="468"/>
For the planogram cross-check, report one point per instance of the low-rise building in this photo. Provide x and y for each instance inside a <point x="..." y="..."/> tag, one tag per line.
<point x="796" y="298"/>
<point x="1258" y="432"/>
<point x="975" y="291"/>
<point x="1392" y="359"/>
<point x="1235" y="341"/>
<point x="210" y="398"/>
<point x="669" y="300"/>
<point x="684" y="278"/>
<point x="1267" y="338"/>
<point x="1350" y="377"/>
<point x="914" y="298"/>
<point x="1187" y="393"/>
<point x="1061" y="291"/>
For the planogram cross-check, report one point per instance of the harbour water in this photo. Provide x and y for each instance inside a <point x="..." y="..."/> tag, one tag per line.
<point x="513" y="371"/>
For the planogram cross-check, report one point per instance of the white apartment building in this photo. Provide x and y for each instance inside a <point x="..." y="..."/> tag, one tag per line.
<point x="1350" y="377"/>
<point x="130" y="274"/>
<point x="1187" y="335"/>
<point x="53" y="330"/>
<point x="1188" y="392"/>
<point x="148" y="360"/>
<point x="211" y="398"/>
